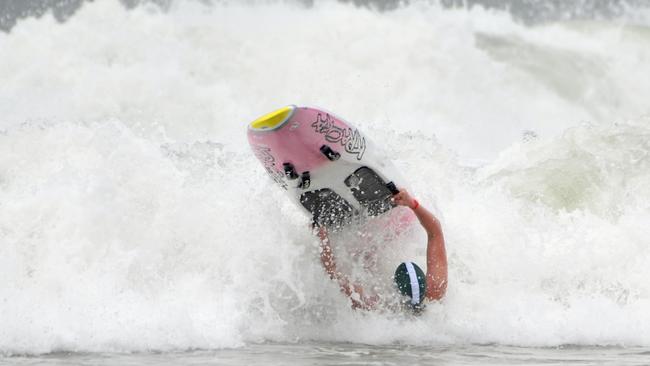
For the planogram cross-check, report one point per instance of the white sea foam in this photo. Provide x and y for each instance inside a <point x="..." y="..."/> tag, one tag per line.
<point x="134" y="217"/>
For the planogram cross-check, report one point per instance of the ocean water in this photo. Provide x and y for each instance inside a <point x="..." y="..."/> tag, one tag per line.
<point x="137" y="227"/>
<point x="356" y="354"/>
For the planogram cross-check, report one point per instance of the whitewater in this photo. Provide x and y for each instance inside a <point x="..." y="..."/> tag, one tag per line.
<point x="134" y="217"/>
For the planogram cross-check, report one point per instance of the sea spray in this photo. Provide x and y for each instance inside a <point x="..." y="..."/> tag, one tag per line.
<point x="133" y="216"/>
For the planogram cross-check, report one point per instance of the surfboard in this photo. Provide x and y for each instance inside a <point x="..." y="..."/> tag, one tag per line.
<point x="328" y="167"/>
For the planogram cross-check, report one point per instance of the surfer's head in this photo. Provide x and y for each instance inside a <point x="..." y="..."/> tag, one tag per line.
<point x="410" y="282"/>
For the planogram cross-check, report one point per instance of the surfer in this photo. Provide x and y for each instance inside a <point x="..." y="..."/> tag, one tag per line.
<point x="409" y="278"/>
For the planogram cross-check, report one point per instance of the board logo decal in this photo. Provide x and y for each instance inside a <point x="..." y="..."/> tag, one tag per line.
<point x="263" y="153"/>
<point x="350" y="139"/>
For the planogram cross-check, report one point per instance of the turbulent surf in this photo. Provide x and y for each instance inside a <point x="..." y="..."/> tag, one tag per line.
<point x="132" y="216"/>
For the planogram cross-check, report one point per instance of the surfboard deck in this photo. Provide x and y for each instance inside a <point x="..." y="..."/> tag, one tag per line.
<point x="328" y="167"/>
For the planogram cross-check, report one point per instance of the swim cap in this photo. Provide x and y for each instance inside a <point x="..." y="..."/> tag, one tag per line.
<point x="410" y="281"/>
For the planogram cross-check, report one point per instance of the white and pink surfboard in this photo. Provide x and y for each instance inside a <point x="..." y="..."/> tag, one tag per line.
<point x="328" y="167"/>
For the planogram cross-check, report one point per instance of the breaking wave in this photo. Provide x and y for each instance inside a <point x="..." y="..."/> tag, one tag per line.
<point x="134" y="217"/>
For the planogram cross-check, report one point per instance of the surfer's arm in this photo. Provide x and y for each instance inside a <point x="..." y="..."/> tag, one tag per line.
<point x="352" y="290"/>
<point x="326" y="256"/>
<point x="436" y="253"/>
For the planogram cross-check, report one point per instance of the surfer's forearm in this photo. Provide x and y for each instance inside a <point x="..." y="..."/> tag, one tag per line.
<point x="327" y="259"/>
<point x="429" y="222"/>
<point x="326" y="256"/>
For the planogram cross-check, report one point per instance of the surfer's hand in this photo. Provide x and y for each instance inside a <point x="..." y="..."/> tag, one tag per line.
<point x="403" y="198"/>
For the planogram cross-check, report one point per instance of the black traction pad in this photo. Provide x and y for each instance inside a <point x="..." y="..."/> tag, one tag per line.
<point x="370" y="190"/>
<point x="327" y="207"/>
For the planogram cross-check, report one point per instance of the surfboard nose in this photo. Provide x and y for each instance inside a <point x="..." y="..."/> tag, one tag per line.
<point x="273" y="120"/>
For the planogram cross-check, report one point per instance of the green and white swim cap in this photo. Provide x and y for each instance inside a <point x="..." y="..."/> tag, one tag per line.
<point x="410" y="281"/>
